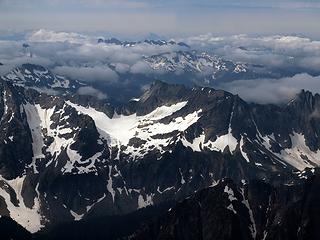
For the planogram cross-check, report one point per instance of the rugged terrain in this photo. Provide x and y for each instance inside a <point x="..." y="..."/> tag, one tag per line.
<point x="249" y="211"/>
<point x="66" y="157"/>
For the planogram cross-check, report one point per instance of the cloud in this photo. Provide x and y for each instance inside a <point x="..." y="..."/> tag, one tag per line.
<point x="78" y="56"/>
<point x="273" y="90"/>
<point x="141" y="67"/>
<point x="12" y="54"/>
<point x="122" y="68"/>
<point x="44" y="35"/>
<point x="90" y="91"/>
<point x="273" y="51"/>
<point x="92" y="74"/>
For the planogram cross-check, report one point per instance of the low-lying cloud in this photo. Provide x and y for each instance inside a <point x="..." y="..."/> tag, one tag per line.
<point x="89" y="74"/>
<point x="273" y="90"/>
<point x="90" y="91"/>
<point x="270" y="51"/>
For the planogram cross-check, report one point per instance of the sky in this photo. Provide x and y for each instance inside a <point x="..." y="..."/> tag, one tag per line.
<point x="171" y="18"/>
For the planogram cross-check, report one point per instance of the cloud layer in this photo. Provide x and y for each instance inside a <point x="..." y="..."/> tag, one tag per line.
<point x="90" y="91"/>
<point x="294" y="61"/>
<point x="273" y="90"/>
<point x="273" y="51"/>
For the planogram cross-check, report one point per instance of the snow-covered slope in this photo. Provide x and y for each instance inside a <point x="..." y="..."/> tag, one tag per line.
<point x="205" y="67"/>
<point x="40" y="78"/>
<point x="120" y="129"/>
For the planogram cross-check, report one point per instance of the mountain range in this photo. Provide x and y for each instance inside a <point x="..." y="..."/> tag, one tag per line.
<point x="67" y="158"/>
<point x="147" y="41"/>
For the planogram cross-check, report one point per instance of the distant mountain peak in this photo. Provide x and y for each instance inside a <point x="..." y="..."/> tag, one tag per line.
<point x="158" y="42"/>
<point x="37" y="76"/>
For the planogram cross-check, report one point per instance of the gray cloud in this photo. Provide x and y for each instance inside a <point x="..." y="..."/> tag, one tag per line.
<point x="141" y="68"/>
<point x="90" y="91"/>
<point x="122" y="68"/>
<point x="93" y="74"/>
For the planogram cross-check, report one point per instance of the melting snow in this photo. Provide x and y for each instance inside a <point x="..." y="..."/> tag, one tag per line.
<point x="218" y="145"/>
<point x="122" y="128"/>
<point x="294" y="155"/>
<point x="297" y="154"/>
<point x="242" y="151"/>
<point x="109" y="185"/>
<point x="76" y="216"/>
<point x="39" y="119"/>
<point x="30" y="218"/>
<point x="231" y="198"/>
<point x="196" y="144"/>
<point x="253" y="224"/>
<point x="119" y="129"/>
<point x="35" y="128"/>
<point x="142" y="203"/>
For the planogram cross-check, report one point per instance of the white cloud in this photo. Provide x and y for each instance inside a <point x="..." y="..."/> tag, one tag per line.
<point x="77" y="55"/>
<point x="273" y="90"/>
<point x="43" y="35"/>
<point x="274" y="51"/>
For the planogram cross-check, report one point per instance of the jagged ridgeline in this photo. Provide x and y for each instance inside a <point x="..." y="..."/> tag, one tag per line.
<point x="66" y="157"/>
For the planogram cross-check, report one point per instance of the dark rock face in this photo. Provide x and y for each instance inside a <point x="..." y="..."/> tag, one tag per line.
<point x="253" y="211"/>
<point x="106" y="227"/>
<point x="15" y="148"/>
<point x="207" y="215"/>
<point x="70" y="157"/>
<point x="9" y="229"/>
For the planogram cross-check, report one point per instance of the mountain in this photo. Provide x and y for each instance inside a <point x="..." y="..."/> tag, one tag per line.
<point x="156" y="42"/>
<point x="69" y="157"/>
<point x="40" y="78"/>
<point x="248" y="211"/>
<point x="205" y="68"/>
<point x="179" y="63"/>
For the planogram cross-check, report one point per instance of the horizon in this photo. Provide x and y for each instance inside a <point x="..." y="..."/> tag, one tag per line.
<point x="169" y="18"/>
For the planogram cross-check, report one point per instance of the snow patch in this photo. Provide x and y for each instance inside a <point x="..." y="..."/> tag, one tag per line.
<point x="76" y="216"/>
<point x="29" y="218"/>
<point x="144" y="202"/>
<point x="34" y="121"/>
<point x="244" y="154"/>
<point x="231" y="198"/>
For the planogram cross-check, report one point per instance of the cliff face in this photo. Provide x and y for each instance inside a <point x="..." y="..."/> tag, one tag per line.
<point x="251" y="211"/>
